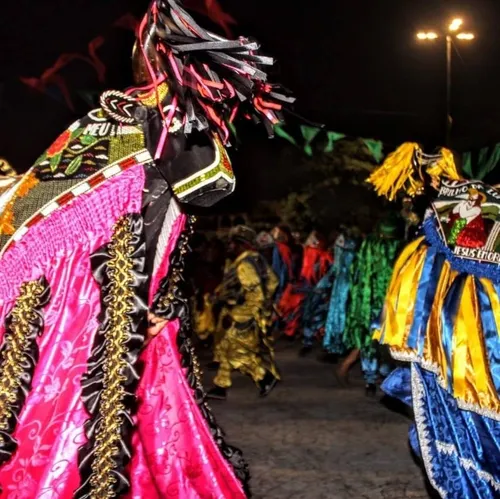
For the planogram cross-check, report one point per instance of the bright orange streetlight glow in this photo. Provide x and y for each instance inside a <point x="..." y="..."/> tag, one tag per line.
<point x="431" y="35"/>
<point x="466" y="36"/>
<point x="455" y="25"/>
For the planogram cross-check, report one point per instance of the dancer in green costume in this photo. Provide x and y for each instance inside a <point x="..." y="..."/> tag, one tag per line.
<point x="370" y="276"/>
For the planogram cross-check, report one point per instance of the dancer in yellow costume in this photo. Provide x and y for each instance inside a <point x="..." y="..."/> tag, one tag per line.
<point x="246" y="297"/>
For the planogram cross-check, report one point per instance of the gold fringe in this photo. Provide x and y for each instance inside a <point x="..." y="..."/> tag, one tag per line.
<point x="444" y="167"/>
<point x="397" y="173"/>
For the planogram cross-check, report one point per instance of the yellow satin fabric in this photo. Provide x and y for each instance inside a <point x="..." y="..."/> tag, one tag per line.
<point x="204" y="320"/>
<point x="470" y="371"/>
<point x="246" y="349"/>
<point x="400" y="300"/>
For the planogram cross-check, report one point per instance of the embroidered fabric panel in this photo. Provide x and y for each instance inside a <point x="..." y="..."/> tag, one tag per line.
<point x="460" y="449"/>
<point x="77" y="188"/>
<point x="468" y="215"/>
<point x="87" y="146"/>
<point x="21" y="207"/>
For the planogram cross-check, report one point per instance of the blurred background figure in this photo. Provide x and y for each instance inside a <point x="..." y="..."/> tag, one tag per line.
<point x="245" y="298"/>
<point x="344" y="254"/>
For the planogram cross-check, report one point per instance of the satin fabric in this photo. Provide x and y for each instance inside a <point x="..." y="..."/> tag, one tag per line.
<point x="447" y="321"/>
<point x="315" y="265"/>
<point x="50" y="429"/>
<point x="316" y="307"/>
<point x="460" y="449"/>
<point x="50" y="426"/>
<point x="398" y="385"/>
<point x="443" y="315"/>
<point x="336" y="319"/>
<point x="282" y="267"/>
<point x="175" y="455"/>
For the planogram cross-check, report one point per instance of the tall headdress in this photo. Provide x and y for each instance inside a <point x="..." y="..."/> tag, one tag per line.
<point x="212" y="78"/>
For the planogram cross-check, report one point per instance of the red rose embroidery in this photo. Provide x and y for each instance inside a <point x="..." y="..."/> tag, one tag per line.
<point x="60" y="144"/>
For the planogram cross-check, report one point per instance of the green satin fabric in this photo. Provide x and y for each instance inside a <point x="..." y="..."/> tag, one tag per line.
<point x="369" y="279"/>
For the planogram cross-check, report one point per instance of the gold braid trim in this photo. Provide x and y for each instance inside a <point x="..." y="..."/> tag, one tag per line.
<point x="17" y="350"/>
<point x="112" y="405"/>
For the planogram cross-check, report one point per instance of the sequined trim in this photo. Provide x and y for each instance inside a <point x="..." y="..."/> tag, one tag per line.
<point x="19" y="354"/>
<point x="434" y="369"/>
<point x="220" y="168"/>
<point x="109" y="385"/>
<point x="474" y="267"/>
<point x="451" y="450"/>
<point x="155" y="96"/>
<point x="424" y="438"/>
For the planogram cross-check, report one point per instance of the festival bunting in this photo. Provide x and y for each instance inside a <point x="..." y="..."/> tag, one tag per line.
<point x="475" y="164"/>
<point x="310" y="134"/>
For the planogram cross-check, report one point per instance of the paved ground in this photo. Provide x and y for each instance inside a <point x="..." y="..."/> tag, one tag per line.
<point x="311" y="439"/>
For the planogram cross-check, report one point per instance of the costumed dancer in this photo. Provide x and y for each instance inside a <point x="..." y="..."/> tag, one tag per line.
<point x="266" y="247"/>
<point x="316" y="262"/>
<point x="344" y="254"/>
<point x="442" y="315"/>
<point x="283" y="258"/>
<point x="93" y="239"/>
<point x="316" y="310"/>
<point x="370" y="276"/>
<point x="246" y="300"/>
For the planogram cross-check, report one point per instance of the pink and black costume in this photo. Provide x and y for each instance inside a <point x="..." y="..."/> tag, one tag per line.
<point x="93" y="237"/>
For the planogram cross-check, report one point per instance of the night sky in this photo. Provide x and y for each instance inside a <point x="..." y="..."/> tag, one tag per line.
<point x="354" y="66"/>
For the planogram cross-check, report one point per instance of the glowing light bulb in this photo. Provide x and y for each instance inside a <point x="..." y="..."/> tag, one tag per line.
<point x="430" y="35"/>
<point x="455" y="25"/>
<point x="466" y="36"/>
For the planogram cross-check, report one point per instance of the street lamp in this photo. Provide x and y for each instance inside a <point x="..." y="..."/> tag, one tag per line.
<point x="453" y="31"/>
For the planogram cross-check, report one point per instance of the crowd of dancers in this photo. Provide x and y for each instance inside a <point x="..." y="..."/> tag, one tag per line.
<point x="312" y="293"/>
<point x="100" y="388"/>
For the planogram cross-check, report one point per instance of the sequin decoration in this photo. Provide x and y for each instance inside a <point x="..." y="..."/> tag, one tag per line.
<point x="24" y="185"/>
<point x="219" y="170"/>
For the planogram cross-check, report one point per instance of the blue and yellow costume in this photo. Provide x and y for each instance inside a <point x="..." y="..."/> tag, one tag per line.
<point x="442" y="314"/>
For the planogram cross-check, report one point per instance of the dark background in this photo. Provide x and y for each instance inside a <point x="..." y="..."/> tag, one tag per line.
<point x="354" y="65"/>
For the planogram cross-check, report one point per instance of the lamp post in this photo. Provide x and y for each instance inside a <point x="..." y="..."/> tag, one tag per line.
<point x="453" y="31"/>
